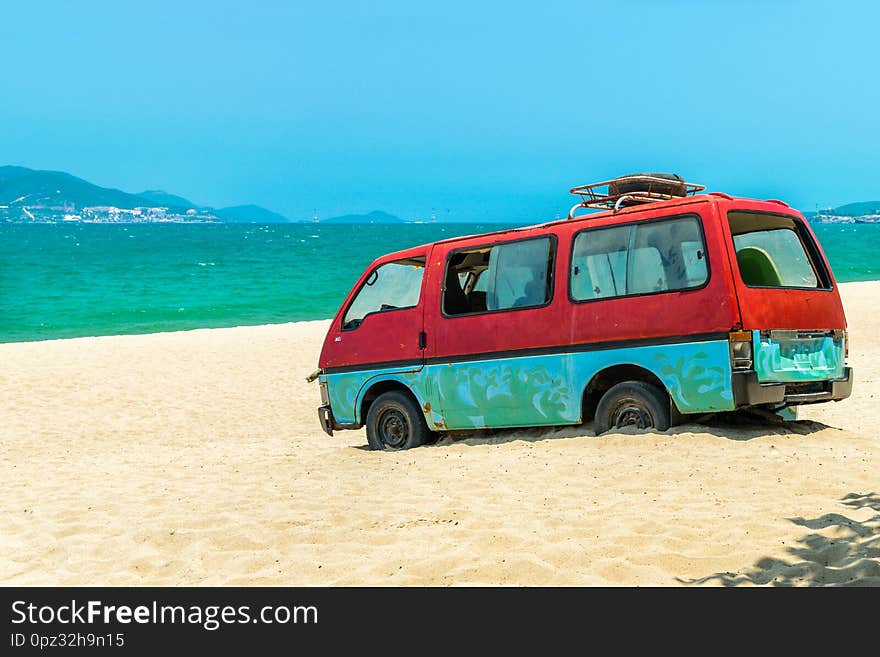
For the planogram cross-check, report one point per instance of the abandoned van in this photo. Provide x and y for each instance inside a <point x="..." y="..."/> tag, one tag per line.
<point x="667" y="302"/>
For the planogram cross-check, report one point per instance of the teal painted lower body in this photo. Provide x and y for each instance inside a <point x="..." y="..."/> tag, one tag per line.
<point x="783" y="359"/>
<point x="346" y="390"/>
<point x="539" y="390"/>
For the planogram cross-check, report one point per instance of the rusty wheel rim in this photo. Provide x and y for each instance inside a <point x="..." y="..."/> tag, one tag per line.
<point x="393" y="429"/>
<point x="631" y="413"/>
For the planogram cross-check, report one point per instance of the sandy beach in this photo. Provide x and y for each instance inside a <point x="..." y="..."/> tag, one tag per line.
<point x="196" y="458"/>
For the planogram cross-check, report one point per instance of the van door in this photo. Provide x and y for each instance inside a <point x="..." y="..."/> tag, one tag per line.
<point x="381" y="325"/>
<point x="492" y="303"/>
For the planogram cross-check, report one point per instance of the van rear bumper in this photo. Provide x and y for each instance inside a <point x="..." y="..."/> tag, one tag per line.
<point x="748" y="391"/>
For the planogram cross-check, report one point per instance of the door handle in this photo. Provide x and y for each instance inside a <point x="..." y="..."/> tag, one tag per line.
<point x="423" y="340"/>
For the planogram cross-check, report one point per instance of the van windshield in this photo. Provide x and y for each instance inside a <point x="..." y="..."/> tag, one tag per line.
<point x="391" y="286"/>
<point x="772" y="251"/>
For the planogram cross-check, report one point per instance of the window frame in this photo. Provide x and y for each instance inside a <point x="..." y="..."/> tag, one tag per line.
<point x="551" y="273"/>
<point x="811" y="250"/>
<point x="363" y="284"/>
<point x="630" y="224"/>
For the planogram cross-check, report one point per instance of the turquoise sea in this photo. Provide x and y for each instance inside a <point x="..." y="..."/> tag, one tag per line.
<point x="71" y="280"/>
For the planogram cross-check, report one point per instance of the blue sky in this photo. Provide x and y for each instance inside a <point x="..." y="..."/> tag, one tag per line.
<point x="476" y="111"/>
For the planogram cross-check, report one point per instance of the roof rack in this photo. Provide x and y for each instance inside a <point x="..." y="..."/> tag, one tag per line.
<point x="632" y="190"/>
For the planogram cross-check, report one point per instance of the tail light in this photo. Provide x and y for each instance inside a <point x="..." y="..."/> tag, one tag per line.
<point x="740" y="350"/>
<point x="843" y="334"/>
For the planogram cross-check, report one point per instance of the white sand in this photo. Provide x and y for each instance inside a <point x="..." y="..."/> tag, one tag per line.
<point x="196" y="458"/>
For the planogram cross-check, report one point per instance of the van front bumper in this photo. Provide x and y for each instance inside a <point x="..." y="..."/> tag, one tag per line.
<point x="748" y="391"/>
<point x="329" y="423"/>
<point x="325" y="417"/>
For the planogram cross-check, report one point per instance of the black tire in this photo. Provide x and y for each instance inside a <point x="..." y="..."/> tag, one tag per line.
<point x="395" y="422"/>
<point x="633" y="403"/>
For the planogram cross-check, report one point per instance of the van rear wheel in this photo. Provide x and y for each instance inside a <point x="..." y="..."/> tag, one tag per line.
<point x="395" y="422"/>
<point x="633" y="404"/>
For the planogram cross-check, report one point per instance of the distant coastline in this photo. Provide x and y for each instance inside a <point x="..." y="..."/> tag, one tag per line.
<point x="55" y="197"/>
<point x="831" y="218"/>
<point x="864" y="212"/>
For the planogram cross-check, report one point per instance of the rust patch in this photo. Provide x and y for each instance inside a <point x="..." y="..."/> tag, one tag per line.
<point x="427" y="407"/>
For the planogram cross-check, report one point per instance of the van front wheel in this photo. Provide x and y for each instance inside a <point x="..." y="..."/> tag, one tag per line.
<point x="395" y="422"/>
<point x="633" y="404"/>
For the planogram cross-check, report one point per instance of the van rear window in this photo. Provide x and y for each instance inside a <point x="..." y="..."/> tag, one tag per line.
<point x="641" y="258"/>
<point x="773" y="251"/>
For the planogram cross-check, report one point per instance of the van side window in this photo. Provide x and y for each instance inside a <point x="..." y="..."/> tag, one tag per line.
<point x="640" y="258"/>
<point x="771" y="251"/>
<point x="391" y="286"/>
<point x="499" y="277"/>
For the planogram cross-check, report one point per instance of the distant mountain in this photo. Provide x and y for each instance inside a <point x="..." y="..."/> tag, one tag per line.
<point x="32" y="188"/>
<point x="862" y="212"/>
<point x="374" y="217"/>
<point x="250" y="214"/>
<point x="856" y="209"/>
<point x="49" y="195"/>
<point x="158" y="197"/>
<point x="9" y="172"/>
